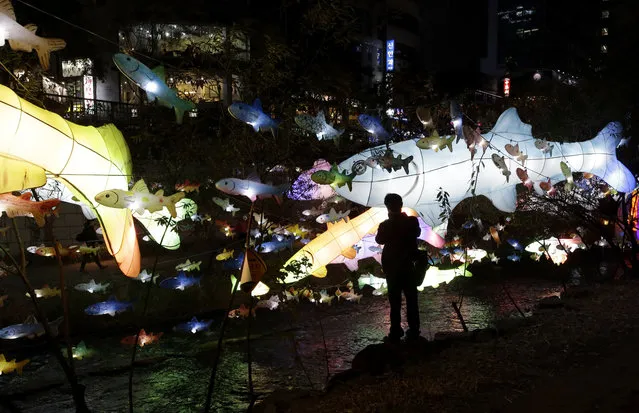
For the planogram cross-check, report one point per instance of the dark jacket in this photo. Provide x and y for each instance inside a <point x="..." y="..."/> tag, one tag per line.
<point x="88" y="235"/>
<point x="399" y="235"/>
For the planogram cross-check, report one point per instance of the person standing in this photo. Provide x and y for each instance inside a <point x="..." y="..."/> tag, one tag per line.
<point x="90" y="237"/>
<point x="399" y="235"/>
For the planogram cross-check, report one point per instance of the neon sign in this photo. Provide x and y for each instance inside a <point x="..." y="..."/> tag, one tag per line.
<point x="390" y="55"/>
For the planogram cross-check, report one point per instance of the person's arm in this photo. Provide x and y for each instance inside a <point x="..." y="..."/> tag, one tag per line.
<point x="382" y="236"/>
<point x="415" y="229"/>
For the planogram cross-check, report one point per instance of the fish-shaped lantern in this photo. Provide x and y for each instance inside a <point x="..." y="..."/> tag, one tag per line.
<point x="452" y="170"/>
<point x="144" y="338"/>
<point x="139" y="199"/>
<point x="156" y="223"/>
<point x="31" y="328"/>
<point x="46" y="292"/>
<point x="23" y="38"/>
<point x="188" y="266"/>
<point x="317" y="125"/>
<point x="435" y="142"/>
<point x="81" y="351"/>
<point x="92" y="287"/>
<point x="110" y="307"/>
<point x="332" y="216"/>
<point x="11" y="366"/>
<point x="188" y="186"/>
<point x="252" y="188"/>
<point x="254" y="115"/>
<point x="193" y="326"/>
<point x="153" y="82"/>
<point x="333" y="177"/>
<point x="224" y="255"/>
<point x="373" y="126"/>
<point x="36" y="143"/>
<point x="144" y="276"/>
<point x="180" y="282"/>
<point x="23" y="206"/>
<point x="226" y="205"/>
<point x="277" y="244"/>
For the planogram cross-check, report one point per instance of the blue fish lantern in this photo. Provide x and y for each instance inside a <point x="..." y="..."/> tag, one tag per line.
<point x="254" y="115"/>
<point x="373" y="126"/>
<point x="234" y="263"/>
<point x="180" y="282"/>
<point x="110" y="307"/>
<point x="515" y="244"/>
<point x="153" y="83"/>
<point x="193" y="326"/>
<point x="514" y="257"/>
<point x="276" y="245"/>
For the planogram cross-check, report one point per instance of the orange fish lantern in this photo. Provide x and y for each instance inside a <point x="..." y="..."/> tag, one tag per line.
<point x="23" y="206"/>
<point x="143" y="338"/>
<point x="188" y="186"/>
<point x="523" y="176"/>
<point x="495" y="235"/>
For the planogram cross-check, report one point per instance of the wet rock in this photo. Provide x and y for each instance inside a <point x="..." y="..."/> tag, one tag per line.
<point x="375" y="358"/>
<point x="550" y="302"/>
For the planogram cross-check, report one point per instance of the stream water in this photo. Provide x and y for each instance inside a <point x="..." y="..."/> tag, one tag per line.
<point x="294" y="347"/>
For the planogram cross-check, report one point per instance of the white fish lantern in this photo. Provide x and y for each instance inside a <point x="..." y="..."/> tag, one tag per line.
<point x="555" y="249"/>
<point x="452" y="170"/>
<point x="435" y="276"/>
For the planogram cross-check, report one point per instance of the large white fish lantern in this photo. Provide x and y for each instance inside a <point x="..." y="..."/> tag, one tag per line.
<point x="35" y="143"/>
<point x="24" y="38"/>
<point x="451" y="170"/>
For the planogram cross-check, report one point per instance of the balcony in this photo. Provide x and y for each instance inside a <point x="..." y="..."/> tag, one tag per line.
<point x="91" y="111"/>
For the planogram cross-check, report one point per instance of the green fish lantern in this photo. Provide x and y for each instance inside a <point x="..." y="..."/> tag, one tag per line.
<point x="334" y="178"/>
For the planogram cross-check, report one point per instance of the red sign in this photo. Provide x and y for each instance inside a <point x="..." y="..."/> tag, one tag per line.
<point x="506" y="86"/>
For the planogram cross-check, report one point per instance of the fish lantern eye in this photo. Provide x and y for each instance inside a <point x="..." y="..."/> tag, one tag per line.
<point x="107" y="195"/>
<point x="128" y="59"/>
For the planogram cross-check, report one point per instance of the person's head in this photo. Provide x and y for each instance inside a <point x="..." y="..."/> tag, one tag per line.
<point x="393" y="202"/>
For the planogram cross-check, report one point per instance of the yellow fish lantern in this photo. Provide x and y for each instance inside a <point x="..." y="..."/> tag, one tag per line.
<point x="35" y="143"/>
<point x="140" y="199"/>
<point x="435" y="276"/>
<point x="224" y="255"/>
<point x="338" y="239"/>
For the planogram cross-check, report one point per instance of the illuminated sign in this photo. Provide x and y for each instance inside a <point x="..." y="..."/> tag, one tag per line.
<point x="390" y="55"/>
<point x="88" y="93"/>
<point x="506" y="86"/>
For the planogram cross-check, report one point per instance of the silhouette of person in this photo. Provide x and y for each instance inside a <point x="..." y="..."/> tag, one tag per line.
<point x="90" y="238"/>
<point x="399" y="235"/>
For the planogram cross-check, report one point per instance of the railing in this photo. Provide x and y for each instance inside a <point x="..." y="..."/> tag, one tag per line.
<point x="91" y="110"/>
<point x="482" y="96"/>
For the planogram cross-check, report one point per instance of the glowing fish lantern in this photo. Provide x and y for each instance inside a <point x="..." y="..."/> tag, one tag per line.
<point x="305" y="189"/>
<point x="35" y="142"/>
<point x="435" y="276"/>
<point x="373" y="126"/>
<point x="252" y="188"/>
<point x="24" y="38"/>
<point x="156" y="223"/>
<point x="254" y="115"/>
<point x="23" y="206"/>
<point x="338" y="239"/>
<point x="451" y="170"/>
<point x="153" y="82"/>
<point x="317" y="125"/>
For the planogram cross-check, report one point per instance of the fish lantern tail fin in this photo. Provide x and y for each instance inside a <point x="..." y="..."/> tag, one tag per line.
<point x="613" y="172"/>
<point x="21" y="365"/>
<point x="44" y="52"/>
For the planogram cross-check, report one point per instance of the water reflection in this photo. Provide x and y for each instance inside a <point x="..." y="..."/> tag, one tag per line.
<point x="290" y="350"/>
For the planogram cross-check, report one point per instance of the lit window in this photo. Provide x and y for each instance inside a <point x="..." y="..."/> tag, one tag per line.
<point x="193" y="113"/>
<point x="604" y="31"/>
<point x="605" y="14"/>
<point x="134" y="112"/>
<point x="604" y="48"/>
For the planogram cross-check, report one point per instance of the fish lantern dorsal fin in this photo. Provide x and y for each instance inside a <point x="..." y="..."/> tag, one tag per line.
<point x="30" y="319"/>
<point x="31" y="27"/>
<point x="160" y="192"/>
<point x="7" y="8"/>
<point x="510" y="126"/>
<point x="434" y="134"/>
<point x="140" y="186"/>
<point x="257" y="104"/>
<point x="26" y="196"/>
<point x="160" y="72"/>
